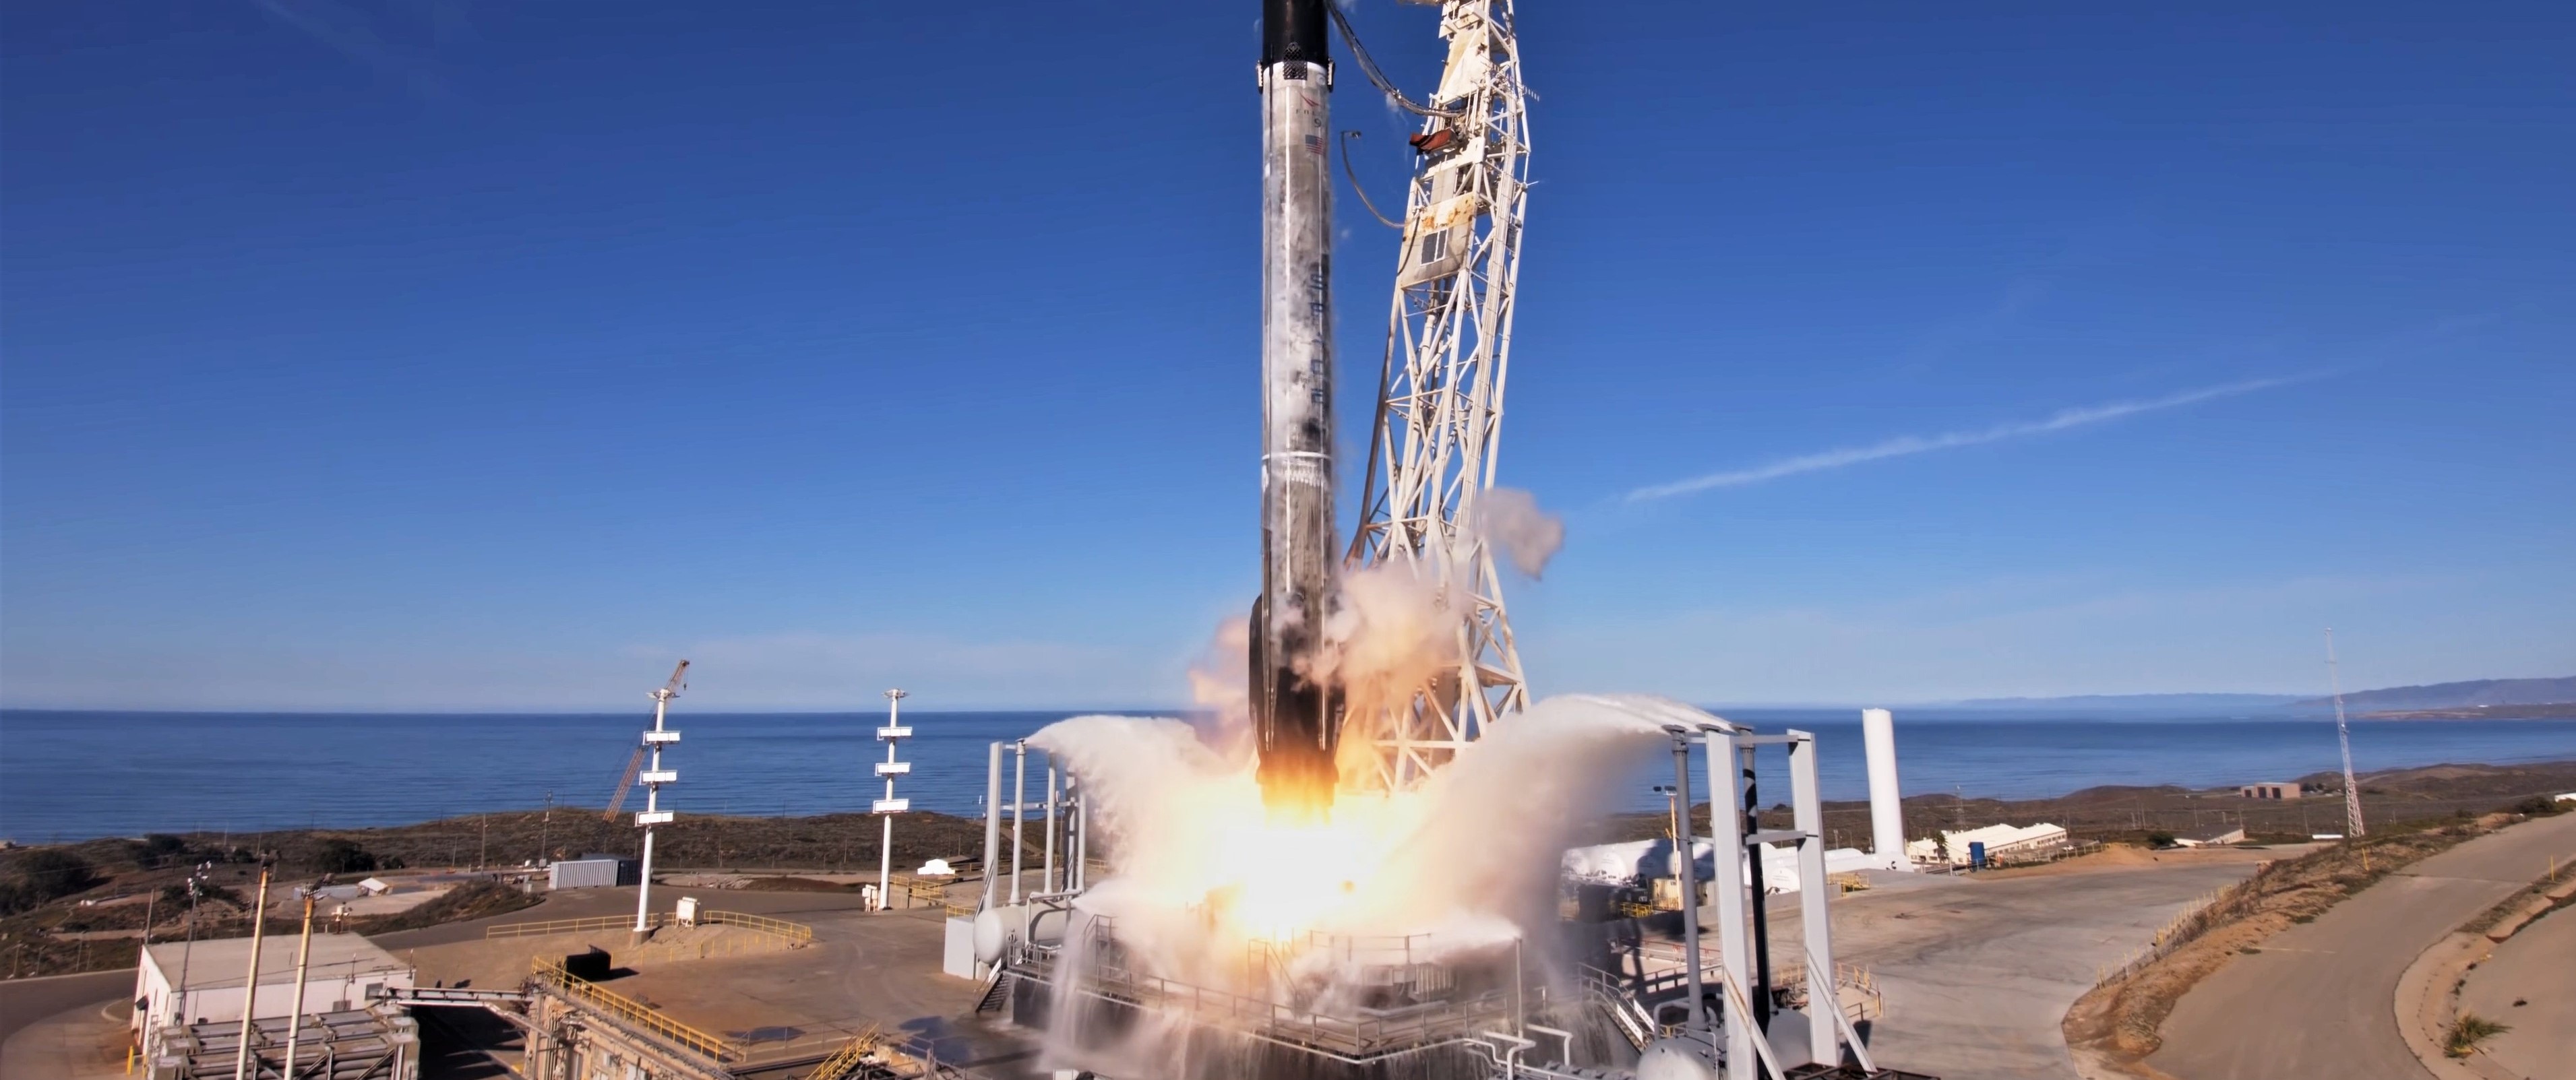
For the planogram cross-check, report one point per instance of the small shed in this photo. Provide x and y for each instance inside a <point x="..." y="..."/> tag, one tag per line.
<point x="592" y="872"/>
<point x="2286" y="789"/>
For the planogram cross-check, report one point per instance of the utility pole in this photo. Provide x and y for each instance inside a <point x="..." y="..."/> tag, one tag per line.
<point x="2343" y="734"/>
<point x="179" y="1000"/>
<point x="303" y="963"/>
<point x="887" y="807"/>
<point x="250" y="989"/>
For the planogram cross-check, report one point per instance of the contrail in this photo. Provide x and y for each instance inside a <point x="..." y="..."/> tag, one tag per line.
<point x="1920" y="444"/>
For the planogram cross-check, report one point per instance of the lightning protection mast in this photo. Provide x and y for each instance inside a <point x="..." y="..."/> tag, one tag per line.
<point x="2352" y="826"/>
<point x="653" y="777"/>
<point x="886" y="808"/>
<point x="1439" y="419"/>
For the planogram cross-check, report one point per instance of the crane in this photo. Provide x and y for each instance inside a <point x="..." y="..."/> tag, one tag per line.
<point x="635" y="764"/>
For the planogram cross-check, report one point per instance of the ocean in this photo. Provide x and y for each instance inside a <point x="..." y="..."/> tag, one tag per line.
<point x="77" y="775"/>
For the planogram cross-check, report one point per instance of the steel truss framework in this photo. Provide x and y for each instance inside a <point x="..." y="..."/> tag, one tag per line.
<point x="1439" y="422"/>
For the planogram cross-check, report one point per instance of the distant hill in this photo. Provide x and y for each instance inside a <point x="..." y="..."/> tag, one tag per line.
<point x="2455" y="695"/>
<point x="2132" y="703"/>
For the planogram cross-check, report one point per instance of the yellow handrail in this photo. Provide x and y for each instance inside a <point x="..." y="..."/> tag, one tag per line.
<point x="590" y="925"/>
<point x="633" y="1012"/>
<point x="796" y="932"/>
<point x="845" y="1060"/>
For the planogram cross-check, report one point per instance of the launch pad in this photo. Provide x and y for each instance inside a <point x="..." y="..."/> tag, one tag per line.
<point x="1392" y="1010"/>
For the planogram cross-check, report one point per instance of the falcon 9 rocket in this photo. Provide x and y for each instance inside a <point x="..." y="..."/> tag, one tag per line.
<point x="1295" y="710"/>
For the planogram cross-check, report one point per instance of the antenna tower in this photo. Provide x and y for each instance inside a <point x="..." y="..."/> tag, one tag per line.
<point x="2352" y="826"/>
<point x="653" y="777"/>
<point x="1440" y="409"/>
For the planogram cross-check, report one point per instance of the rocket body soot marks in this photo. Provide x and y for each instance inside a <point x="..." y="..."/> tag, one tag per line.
<point x="1297" y="721"/>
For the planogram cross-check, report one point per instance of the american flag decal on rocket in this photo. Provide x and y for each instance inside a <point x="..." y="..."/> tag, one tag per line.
<point x="1315" y="143"/>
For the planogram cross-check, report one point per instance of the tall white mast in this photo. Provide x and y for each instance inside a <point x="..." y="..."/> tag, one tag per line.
<point x="2352" y="826"/>
<point x="887" y="807"/>
<point x="1439" y="424"/>
<point x="653" y="777"/>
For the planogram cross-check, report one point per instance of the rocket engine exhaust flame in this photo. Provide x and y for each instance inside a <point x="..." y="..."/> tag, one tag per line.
<point x="1296" y="718"/>
<point x="1207" y="887"/>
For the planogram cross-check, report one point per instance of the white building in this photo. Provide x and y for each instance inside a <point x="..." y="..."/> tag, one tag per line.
<point x="2003" y="844"/>
<point x="344" y="970"/>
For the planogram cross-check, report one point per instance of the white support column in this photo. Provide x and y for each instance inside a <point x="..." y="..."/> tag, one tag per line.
<point x="1886" y="800"/>
<point x="1808" y="805"/>
<point x="992" y="822"/>
<point x="1019" y="803"/>
<point x="1046" y="878"/>
<point x="1734" y="918"/>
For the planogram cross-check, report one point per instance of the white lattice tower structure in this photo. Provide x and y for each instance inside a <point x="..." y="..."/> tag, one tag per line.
<point x="1439" y="423"/>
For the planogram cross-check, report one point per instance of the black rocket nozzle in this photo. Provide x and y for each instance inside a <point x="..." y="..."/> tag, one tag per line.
<point x="1294" y="30"/>
<point x="1296" y="729"/>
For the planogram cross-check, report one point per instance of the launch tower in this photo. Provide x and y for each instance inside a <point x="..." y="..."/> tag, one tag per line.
<point x="1440" y="410"/>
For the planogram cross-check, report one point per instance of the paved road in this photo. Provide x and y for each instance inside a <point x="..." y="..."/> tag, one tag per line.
<point x="1978" y="972"/>
<point x="2320" y="999"/>
<point x="26" y="1001"/>
<point x="2530" y="984"/>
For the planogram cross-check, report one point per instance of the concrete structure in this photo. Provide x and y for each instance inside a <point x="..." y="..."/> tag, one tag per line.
<point x="2270" y="790"/>
<point x="345" y="969"/>
<point x="1886" y="799"/>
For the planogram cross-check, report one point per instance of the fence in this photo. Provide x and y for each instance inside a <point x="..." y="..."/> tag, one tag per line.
<point x="593" y="925"/>
<point x="797" y="934"/>
<point x="2213" y="910"/>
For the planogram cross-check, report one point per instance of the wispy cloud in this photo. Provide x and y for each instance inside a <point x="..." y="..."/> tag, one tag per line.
<point x="1905" y="445"/>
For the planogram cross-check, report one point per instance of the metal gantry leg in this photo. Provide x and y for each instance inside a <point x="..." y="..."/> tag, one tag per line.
<point x="1735" y="922"/>
<point x="1687" y="873"/>
<point x="1823" y="1002"/>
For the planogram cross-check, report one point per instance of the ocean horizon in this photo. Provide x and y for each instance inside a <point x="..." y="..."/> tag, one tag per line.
<point x="73" y="775"/>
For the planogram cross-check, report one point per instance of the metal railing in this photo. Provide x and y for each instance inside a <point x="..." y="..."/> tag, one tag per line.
<point x="1350" y="1038"/>
<point x="799" y="933"/>
<point x="592" y="925"/>
<point x="551" y="975"/>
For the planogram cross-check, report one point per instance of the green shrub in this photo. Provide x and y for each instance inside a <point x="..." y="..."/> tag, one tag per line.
<point x="341" y="856"/>
<point x="2468" y="1031"/>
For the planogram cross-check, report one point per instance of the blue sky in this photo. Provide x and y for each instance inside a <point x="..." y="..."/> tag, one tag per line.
<point x="434" y="355"/>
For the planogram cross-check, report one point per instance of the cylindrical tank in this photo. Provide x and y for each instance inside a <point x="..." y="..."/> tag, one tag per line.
<point x="1886" y="805"/>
